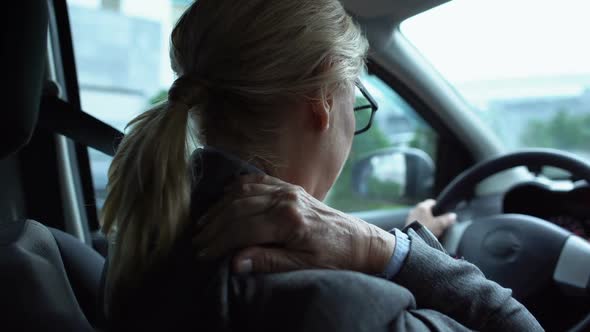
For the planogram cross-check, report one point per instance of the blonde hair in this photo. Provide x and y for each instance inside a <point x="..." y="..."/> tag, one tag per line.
<point x="238" y="63"/>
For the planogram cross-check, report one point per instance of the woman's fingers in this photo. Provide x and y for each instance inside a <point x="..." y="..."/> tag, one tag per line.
<point x="266" y="260"/>
<point x="227" y="225"/>
<point x="262" y="179"/>
<point x="423" y="214"/>
<point x="446" y="220"/>
<point x="427" y="205"/>
<point x="439" y="225"/>
<point x="257" y="220"/>
<point x="240" y="190"/>
<point x="229" y="211"/>
<point x="251" y="231"/>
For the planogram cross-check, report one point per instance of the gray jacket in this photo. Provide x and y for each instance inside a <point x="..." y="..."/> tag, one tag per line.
<point x="431" y="292"/>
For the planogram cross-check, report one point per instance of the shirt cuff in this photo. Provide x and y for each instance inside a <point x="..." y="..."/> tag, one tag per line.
<point x="400" y="252"/>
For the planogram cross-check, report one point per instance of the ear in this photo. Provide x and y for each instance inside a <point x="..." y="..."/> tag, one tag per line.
<point x="321" y="111"/>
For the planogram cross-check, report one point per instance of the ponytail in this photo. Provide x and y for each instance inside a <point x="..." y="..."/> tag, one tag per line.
<point x="148" y="194"/>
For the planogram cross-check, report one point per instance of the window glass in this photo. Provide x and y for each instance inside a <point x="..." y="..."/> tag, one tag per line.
<point x="395" y="125"/>
<point x="121" y="50"/>
<point x="523" y="65"/>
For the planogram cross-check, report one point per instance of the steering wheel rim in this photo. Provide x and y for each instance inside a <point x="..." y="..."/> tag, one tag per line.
<point x="466" y="181"/>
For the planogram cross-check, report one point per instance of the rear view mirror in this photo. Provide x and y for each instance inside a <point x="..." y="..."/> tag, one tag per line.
<point x="402" y="175"/>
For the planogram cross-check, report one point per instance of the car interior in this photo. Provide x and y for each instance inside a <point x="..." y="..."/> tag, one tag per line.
<point x="524" y="229"/>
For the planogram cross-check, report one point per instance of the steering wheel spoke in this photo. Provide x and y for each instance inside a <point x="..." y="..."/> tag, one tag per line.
<point x="572" y="270"/>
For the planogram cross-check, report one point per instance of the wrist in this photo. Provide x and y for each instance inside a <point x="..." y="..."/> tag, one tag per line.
<point x="381" y="248"/>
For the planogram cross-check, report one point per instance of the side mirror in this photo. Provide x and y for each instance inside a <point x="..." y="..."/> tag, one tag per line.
<point x="404" y="175"/>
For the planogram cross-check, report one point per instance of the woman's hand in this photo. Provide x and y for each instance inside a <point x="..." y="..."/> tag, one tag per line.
<point x="423" y="214"/>
<point x="279" y="227"/>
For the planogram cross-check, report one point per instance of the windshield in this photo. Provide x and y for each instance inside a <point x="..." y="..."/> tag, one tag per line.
<point x="523" y="66"/>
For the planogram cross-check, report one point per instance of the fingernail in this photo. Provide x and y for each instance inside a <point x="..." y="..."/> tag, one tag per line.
<point x="244" y="266"/>
<point x="453" y="216"/>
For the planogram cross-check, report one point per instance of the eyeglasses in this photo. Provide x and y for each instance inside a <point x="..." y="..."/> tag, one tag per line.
<point x="364" y="108"/>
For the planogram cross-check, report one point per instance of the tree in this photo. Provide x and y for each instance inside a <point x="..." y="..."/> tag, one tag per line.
<point x="564" y="130"/>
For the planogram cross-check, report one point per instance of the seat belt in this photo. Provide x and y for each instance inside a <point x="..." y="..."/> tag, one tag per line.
<point x="59" y="116"/>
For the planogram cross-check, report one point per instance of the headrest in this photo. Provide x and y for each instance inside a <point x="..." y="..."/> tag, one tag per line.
<point x="23" y="52"/>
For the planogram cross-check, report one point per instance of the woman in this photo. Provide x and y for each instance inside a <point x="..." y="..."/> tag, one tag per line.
<point x="268" y="88"/>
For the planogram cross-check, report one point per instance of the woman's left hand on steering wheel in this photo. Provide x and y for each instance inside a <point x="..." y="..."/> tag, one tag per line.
<point x="277" y="226"/>
<point x="423" y="214"/>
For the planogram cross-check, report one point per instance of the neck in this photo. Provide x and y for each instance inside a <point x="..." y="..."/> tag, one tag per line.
<point x="291" y="154"/>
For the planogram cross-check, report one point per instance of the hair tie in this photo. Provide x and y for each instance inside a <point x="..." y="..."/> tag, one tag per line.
<point x="187" y="91"/>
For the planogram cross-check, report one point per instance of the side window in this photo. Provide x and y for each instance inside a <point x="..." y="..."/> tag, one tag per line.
<point x="121" y="51"/>
<point x="390" y="165"/>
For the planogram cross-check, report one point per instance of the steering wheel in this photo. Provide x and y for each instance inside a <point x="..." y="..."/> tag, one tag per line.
<point x="521" y="252"/>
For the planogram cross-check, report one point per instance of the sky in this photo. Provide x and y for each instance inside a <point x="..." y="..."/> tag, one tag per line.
<point x="474" y="40"/>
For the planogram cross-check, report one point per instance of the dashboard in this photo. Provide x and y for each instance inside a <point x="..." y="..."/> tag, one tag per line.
<point x="567" y="208"/>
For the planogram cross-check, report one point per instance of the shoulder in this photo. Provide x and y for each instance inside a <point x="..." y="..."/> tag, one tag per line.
<point x="321" y="300"/>
<point x="328" y="283"/>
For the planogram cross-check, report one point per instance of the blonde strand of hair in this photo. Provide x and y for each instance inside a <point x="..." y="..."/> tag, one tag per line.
<point x="149" y="189"/>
